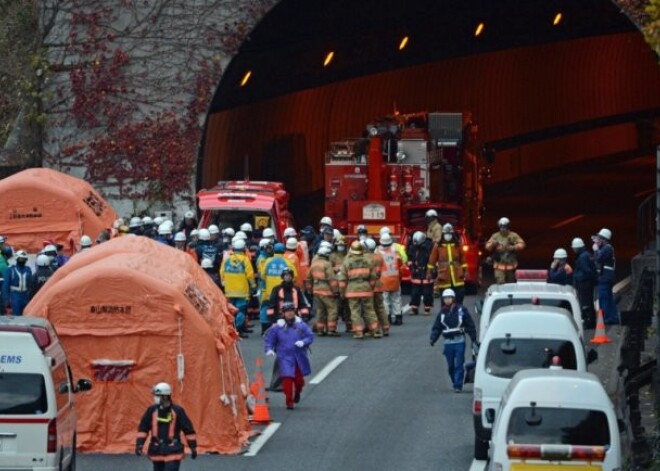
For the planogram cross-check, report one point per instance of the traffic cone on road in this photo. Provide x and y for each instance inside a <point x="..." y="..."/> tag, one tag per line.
<point x="600" y="336"/>
<point x="261" y="413"/>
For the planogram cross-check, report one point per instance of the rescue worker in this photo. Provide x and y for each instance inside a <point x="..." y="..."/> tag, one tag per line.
<point x="605" y="265"/>
<point x="271" y="276"/>
<point x="135" y="226"/>
<point x="51" y="251"/>
<point x="390" y="278"/>
<point x="321" y="281"/>
<point x="362" y="233"/>
<point x="434" y="228"/>
<point x="85" y="243"/>
<point x="148" y="227"/>
<point x="210" y="270"/>
<point x="447" y="260"/>
<point x="246" y="228"/>
<point x="164" y="234"/>
<point x="41" y="275"/>
<point x="188" y="224"/>
<point x="225" y="242"/>
<point x="308" y="235"/>
<point x="505" y="245"/>
<point x="584" y="281"/>
<point x="61" y="258"/>
<point x="377" y="263"/>
<point x="237" y="278"/>
<point x="302" y="251"/>
<point x="421" y="287"/>
<point x="357" y="279"/>
<point x="6" y="252"/>
<point x="17" y="283"/>
<point x="205" y="249"/>
<point x="337" y="259"/>
<point x="165" y="421"/>
<point x="192" y="242"/>
<point x="214" y="233"/>
<point x="289" y="340"/>
<point x="399" y="248"/>
<point x="325" y="223"/>
<point x="453" y="322"/>
<point x="180" y="244"/>
<point x="287" y="291"/>
<point x="122" y="231"/>
<point x="268" y="233"/>
<point x="291" y="254"/>
<point x="560" y="272"/>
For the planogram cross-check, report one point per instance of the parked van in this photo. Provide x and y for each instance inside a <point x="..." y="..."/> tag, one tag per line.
<point x="37" y="415"/>
<point x="531" y="288"/>
<point x="519" y="338"/>
<point x="555" y="418"/>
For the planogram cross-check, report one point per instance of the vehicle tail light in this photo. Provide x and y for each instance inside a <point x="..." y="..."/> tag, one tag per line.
<point x="466" y="248"/>
<point x="476" y="402"/>
<point x="52" y="437"/>
<point x="556" y="452"/>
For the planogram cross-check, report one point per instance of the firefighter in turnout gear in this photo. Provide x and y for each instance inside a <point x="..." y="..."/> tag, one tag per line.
<point x="453" y="322"/>
<point x="379" y="304"/>
<point x="419" y="253"/>
<point x="434" y="230"/>
<point x="337" y="259"/>
<point x="322" y="283"/>
<point x="448" y="261"/>
<point x="505" y="245"/>
<point x="165" y="421"/>
<point x="357" y="279"/>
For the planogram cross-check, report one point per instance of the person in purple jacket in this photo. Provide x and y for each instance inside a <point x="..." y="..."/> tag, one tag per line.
<point x="289" y="339"/>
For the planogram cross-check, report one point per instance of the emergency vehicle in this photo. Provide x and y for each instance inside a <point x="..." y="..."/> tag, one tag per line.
<point x="405" y="165"/>
<point x="37" y="413"/>
<point x="260" y="203"/>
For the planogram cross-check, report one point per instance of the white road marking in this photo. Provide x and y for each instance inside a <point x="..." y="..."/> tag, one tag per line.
<point x="567" y="221"/>
<point x="262" y="439"/>
<point x="478" y="465"/>
<point x="327" y="369"/>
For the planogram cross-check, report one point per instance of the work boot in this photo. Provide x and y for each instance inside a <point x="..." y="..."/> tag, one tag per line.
<point x="398" y="320"/>
<point x="427" y="312"/>
<point x="333" y="333"/>
<point x="322" y="333"/>
<point x="358" y="335"/>
<point x="414" y="311"/>
<point x="369" y="334"/>
<point x="378" y="334"/>
<point x="392" y="320"/>
<point x="386" y="332"/>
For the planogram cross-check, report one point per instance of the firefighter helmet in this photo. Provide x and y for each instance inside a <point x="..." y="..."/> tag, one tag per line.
<point x="560" y="253"/>
<point x="291" y="243"/>
<point x="290" y="232"/>
<point x="21" y="254"/>
<point x="286" y="271"/>
<point x="50" y="249"/>
<point x="287" y="306"/>
<point x="325" y="220"/>
<point x="384" y="230"/>
<point x="164" y="229"/>
<point x="158" y="220"/>
<point x="577" y="243"/>
<point x="356" y="248"/>
<point x="431" y="213"/>
<point x="204" y="234"/>
<point x="447" y="229"/>
<point x="213" y="229"/>
<point x="85" y="241"/>
<point x="419" y="237"/>
<point x="135" y="222"/>
<point x="448" y="293"/>
<point x="246" y="227"/>
<point x="605" y="234"/>
<point x="240" y="235"/>
<point x="207" y="262"/>
<point x="370" y="244"/>
<point x="268" y="233"/>
<point x="162" y="389"/>
<point x="180" y="237"/>
<point x="194" y="233"/>
<point x="324" y="251"/>
<point x="386" y="240"/>
<point x="43" y="260"/>
<point x="147" y="221"/>
<point x="229" y="232"/>
<point x="503" y="222"/>
<point x="238" y="245"/>
<point x="264" y="242"/>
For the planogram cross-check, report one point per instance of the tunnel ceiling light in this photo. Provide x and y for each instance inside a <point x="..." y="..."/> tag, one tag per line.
<point x="403" y="43"/>
<point x="328" y="58"/>
<point x="479" y="30"/>
<point x="246" y="78"/>
<point x="557" y="19"/>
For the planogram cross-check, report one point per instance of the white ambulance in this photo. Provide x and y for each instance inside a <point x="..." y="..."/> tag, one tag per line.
<point x="37" y="415"/>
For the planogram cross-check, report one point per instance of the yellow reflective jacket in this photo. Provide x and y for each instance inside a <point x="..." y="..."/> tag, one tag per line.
<point x="237" y="275"/>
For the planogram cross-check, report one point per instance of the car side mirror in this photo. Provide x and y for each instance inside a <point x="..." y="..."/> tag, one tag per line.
<point x="83" y="385"/>
<point x="490" y="416"/>
<point x="592" y="356"/>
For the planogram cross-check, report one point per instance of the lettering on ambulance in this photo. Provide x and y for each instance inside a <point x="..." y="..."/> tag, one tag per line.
<point x="110" y="309"/>
<point x="11" y="359"/>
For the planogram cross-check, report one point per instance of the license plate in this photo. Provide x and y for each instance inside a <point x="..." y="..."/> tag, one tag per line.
<point x="561" y="467"/>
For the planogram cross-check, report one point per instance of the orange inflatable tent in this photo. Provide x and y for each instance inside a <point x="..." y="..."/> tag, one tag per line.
<point x="132" y="312"/>
<point x="41" y="204"/>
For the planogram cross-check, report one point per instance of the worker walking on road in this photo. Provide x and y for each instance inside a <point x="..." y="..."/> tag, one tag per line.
<point x="165" y="421"/>
<point x="322" y="283"/>
<point x="447" y="260"/>
<point x="379" y="303"/>
<point x="584" y="281"/>
<point x="390" y="278"/>
<point x="289" y="340"/>
<point x="453" y="322"/>
<point x="337" y="259"/>
<point x="605" y="264"/>
<point x="16" y="285"/>
<point x="237" y="278"/>
<point x="271" y="276"/>
<point x="421" y="276"/>
<point x="505" y="245"/>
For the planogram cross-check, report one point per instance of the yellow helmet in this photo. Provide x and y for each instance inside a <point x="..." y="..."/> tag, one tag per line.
<point x="356" y="248"/>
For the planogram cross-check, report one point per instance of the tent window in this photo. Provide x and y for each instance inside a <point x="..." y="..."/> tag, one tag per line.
<point x="118" y="371"/>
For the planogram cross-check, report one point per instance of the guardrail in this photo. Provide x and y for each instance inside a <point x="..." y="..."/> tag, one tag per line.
<point x="646" y="214"/>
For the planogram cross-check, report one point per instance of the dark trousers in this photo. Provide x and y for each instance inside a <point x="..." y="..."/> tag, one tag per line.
<point x="419" y="292"/>
<point x="585" y="293"/>
<point x="167" y="466"/>
<point x="455" y="355"/>
<point x="607" y="304"/>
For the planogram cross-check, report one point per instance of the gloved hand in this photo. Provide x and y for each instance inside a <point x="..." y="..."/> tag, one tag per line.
<point x="258" y="294"/>
<point x="270" y="353"/>
<point x="299" y="344"/>
<point x="138" y="450"/>
<point x="281" y="322"/>
<point x="595" y="247"/>
<point x="193" y="453"/>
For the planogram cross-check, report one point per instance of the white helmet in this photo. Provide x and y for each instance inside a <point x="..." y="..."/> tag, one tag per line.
<point x="324" y="251"/>
<point x="370" y="244"/>
<point x="164" y="229"/>
<point x="419" y="237"/>
<point x="135" y="222"/>
<point x="605" y="234"/>
<point x="503" y="222"/>
<point x="246" y="227"/>
<point x="290" y="232"/>
<point x="229" y="232"/>
<point x="577" y="243"/>
<point x="147" y="220"/>
<point x="336" y="234"/>
<point x="22" y="254"/>
<point x="291" y="243"/>
<point x="189" y="215"/>
<point x="384" y="230"/>
<point x="448" y="293"/>
<point x="241" y="235"/>
<point x="50" y="248"/>
<point x="180" y="237"/>
<point x="386" y="240"/>
<point x="204" y="234"/>
<point x="268" y="233"/>
<point x="43" y="260"/>
<point x="207" y="263"/>
<point x="325" y="243"/>
<point x="117" y="223"/>
<point x="447" y="228"/>
<point x="431" y="213"/>
<point x="560" y="253"/>
<point x="213" y="229"/>
<point x="238" y="244"/>
<point x="162" y="389"/>
<point x="264" y="242"/>
<point x="168" y="223"/>
<point x="194" y="233"/>
<point x="85" y="241"/>
<point x="158" y="220"/>
<point x="326" y="220"/>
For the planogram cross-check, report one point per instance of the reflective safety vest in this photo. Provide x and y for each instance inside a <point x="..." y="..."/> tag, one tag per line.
<point x="449" y="260"/>
<point x="377" y="264"/>
<point x="237" y="276"/>
<point x="357" y="277"/>
<point x="390" y="276"/>
<point x="165" y="443"/>
<point x="321" y="279"/>
<point x="292" y="257"/>
<point x="271" y="274"/>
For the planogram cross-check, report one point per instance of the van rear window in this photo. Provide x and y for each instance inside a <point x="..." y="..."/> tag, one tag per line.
<point x="22" y="393"/>
<point x="553" y="426"/>
<point x="523" y="354"/>
<point x="516" y="301"/>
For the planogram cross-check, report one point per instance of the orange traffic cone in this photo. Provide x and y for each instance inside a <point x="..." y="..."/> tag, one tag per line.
<point x="261" y="413"/>
<point x="600" y="336"/>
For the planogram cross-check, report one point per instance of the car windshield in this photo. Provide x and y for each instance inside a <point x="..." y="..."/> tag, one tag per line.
<point x="500" y="303"/>
<point x="259" y="220"/>
<point x="22" y="393"/>
<point x="506" y="359"/>
<point x="556" y="426"/>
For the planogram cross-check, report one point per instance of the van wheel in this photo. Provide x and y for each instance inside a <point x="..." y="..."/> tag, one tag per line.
<point x="480" y="449"/>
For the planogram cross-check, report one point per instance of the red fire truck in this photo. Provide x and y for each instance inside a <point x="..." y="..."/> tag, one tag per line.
<point x="404" y="166"/>
<point x="232" y="203"/>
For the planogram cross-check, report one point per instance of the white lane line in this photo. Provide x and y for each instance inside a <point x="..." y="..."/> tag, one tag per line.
<point x="567" y="221"/>
<point x="478" y="465"/>
<point x="262" y="439"/>
<point x="327" y="369"/>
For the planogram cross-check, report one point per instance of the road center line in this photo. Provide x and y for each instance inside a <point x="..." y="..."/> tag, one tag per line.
<point x="327" y="369"/>
<point x="567" y="221"/>
<point x="262" y="439"/>
<point x="478" y="465"/>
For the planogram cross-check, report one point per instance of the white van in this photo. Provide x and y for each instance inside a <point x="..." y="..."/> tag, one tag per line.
<point x="519" y="338"/>
<point x="559" y="419"/>
<point x="528" y="291"/>
<point x="37" y="416"/>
